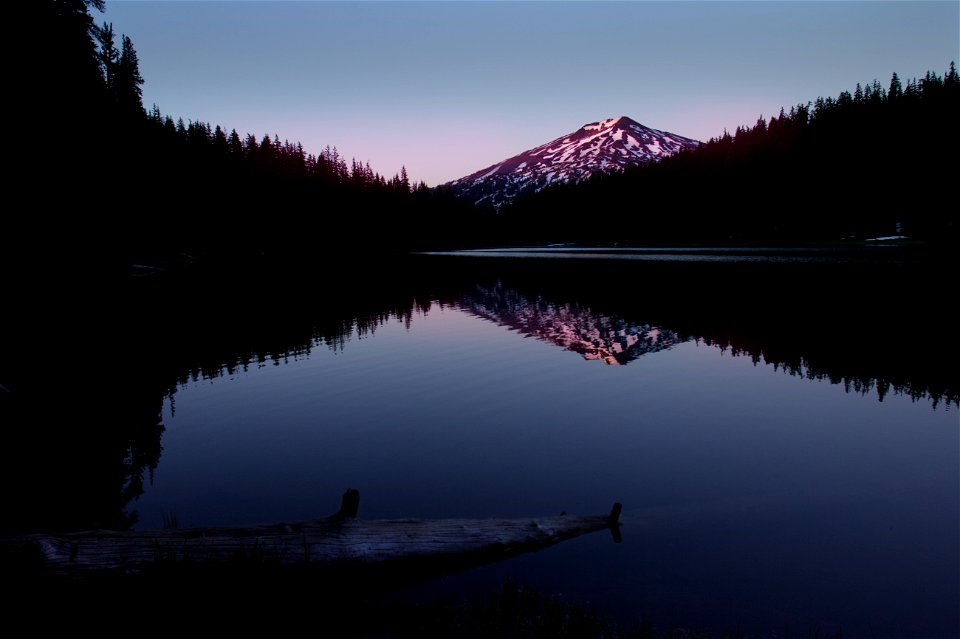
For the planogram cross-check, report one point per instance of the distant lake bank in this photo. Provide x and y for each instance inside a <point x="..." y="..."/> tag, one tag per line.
<point x="879" y="252"/>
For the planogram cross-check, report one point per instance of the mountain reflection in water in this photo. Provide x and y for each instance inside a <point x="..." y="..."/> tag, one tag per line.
<point x="333" y="376"/>
<point x="610" y="339"/>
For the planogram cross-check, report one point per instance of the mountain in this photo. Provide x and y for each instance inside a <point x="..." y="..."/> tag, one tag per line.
<point x="610" y="339"/>
<point x="608" y="145"/>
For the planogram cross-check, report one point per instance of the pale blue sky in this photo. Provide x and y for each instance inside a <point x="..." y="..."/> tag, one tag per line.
<point x="448" y="88"/>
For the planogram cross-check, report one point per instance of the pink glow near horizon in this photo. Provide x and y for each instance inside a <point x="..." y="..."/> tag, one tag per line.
<point x="448" y="88"/>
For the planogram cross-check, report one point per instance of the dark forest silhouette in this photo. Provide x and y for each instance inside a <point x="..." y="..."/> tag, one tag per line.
<point x="108" y="185"/>
<point x="88" y="474"/>
<point x="863" y="363"/>
<point x="874" y="162"/>
<point x="111" y="185"/>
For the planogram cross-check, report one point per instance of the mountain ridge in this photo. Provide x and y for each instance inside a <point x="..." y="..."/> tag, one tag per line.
<point x="606" y="145"/>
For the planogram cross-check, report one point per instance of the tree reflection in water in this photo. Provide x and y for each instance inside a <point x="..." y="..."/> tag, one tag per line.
<point x="81" y="408"/>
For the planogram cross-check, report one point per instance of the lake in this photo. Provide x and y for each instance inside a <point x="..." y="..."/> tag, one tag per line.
<point x="781" y="427"/>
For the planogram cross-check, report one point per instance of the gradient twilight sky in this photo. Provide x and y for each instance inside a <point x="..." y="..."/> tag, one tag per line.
<point x="448" y="88"/>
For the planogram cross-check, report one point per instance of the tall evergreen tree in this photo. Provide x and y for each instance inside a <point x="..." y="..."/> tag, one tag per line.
<point x="108" y="56"/>
<point x="127" y="89"/>
<point x="952" y="80"/>
<point x="896" y="89"/>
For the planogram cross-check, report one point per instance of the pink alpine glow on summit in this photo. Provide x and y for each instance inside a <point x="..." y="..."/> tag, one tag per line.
<point x="608" y="145"/>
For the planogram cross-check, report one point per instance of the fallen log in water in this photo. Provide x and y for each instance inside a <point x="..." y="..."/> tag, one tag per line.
<point x="340" y="541"/>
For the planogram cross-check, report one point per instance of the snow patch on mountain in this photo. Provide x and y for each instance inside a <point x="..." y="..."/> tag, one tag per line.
<point x="608" y="145"/>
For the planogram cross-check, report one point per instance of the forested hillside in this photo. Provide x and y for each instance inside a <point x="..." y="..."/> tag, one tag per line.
<point x="107" y="184"/>
<point x="103" y="184"/>
<point x="873" y="162"/>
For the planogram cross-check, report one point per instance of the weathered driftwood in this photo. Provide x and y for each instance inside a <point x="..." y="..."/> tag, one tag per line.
<point x="337" y="541"/>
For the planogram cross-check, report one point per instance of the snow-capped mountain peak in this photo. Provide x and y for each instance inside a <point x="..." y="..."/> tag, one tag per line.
<point x="607" y="145"/>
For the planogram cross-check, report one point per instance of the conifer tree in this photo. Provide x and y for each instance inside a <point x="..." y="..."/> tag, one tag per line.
<point x="108" y="56"/>
<point x="896" y="89"/>
<point x="129" y="95"/>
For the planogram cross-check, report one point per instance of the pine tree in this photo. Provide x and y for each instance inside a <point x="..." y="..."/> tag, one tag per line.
<point x="108" y="56"/>
<point x="896" y="89"/>
<point x="234" y="144"/>
<point x="220" y="144"/>
<point x="952" y="80"/>
<point x="68" y="63"/>
<point x="250" y="147"/>
<point x="127" y="79"/>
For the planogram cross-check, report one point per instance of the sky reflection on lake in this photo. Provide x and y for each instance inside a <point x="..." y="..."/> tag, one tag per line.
<point x="751" y="495"/>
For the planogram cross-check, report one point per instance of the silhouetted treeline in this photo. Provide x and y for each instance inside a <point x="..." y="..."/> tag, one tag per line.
<point x="82" y="390"/>
<point x="875" y="162"/>
<point x="245" y="196"/>
<point x="101" y="185"/>
<point x="109" y="184"/>
<point x="855" y="324"/>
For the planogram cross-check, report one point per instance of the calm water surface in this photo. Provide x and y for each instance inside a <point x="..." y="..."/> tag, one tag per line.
<point x="785" y="442"/>
<point x="758" y="493"/>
